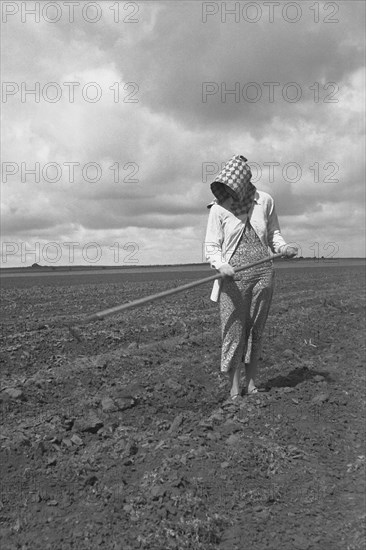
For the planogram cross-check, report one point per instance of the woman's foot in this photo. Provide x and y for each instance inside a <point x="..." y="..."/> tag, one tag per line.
<point x="251" y="387"/>
<point x="236" y="397"/>
<point x="254" y="390"/>
<point x="250" y="375"/>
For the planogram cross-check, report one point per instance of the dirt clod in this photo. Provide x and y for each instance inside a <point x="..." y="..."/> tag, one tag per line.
<point x="15" y="393"/>
<point x="108" y="405"/>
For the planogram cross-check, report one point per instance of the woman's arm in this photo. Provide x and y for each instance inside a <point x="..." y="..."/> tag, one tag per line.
<point x="214" y="239"/>
<point x="275" y="240"/>
<point x="214" y="242"/>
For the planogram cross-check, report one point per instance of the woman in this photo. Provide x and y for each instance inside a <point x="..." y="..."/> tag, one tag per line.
<point x="242" y="225"/>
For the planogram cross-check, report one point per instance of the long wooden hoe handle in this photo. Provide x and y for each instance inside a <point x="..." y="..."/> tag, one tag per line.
<point x="164" y="294"/>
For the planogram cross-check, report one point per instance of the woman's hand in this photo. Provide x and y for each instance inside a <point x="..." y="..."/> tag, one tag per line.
<point x="289" y="251"/>
<point x="226" y="270"/>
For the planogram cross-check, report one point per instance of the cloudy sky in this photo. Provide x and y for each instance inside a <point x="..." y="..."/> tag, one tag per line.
<point x="117" y="116"/>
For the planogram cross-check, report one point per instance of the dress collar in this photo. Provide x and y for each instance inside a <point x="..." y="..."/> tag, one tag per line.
<point x="257" y="200"/>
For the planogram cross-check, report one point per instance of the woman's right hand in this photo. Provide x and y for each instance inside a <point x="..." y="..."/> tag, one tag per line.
<point x="290" y="251"/>
<point x="226" y="270"/>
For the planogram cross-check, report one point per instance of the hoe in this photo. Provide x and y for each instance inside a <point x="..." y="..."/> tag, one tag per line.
<point x="71" y="325"/>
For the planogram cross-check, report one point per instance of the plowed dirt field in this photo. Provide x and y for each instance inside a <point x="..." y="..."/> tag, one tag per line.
<point x="125" y="440"/>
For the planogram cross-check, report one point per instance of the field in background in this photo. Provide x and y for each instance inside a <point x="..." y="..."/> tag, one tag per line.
<point x="282" y="263"/>
<point x="124" y="440"/>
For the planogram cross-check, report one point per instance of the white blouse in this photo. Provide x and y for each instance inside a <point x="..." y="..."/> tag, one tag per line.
<point x="224" y="231"/>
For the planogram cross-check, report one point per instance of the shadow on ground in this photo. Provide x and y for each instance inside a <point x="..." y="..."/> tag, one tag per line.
<point x="295" y="377"/>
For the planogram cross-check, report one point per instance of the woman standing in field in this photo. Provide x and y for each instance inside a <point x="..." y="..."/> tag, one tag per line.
<point x="242" y="224"/>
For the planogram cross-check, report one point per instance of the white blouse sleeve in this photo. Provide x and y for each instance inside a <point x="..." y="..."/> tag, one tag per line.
<point x="214" y="239"/>
<point x="275" y="239"/>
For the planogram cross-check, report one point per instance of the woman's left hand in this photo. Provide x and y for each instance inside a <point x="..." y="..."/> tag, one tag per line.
<point x="290" y="251"/>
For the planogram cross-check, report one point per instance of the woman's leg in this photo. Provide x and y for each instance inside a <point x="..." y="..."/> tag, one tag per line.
<point x="234" y="377"/>
<point x="261" y="302"/>
<point x="251" y="370"/>
<point x="234" y="312"/>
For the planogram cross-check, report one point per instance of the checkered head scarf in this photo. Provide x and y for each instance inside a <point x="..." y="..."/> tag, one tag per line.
<point x="234" y="180"/>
